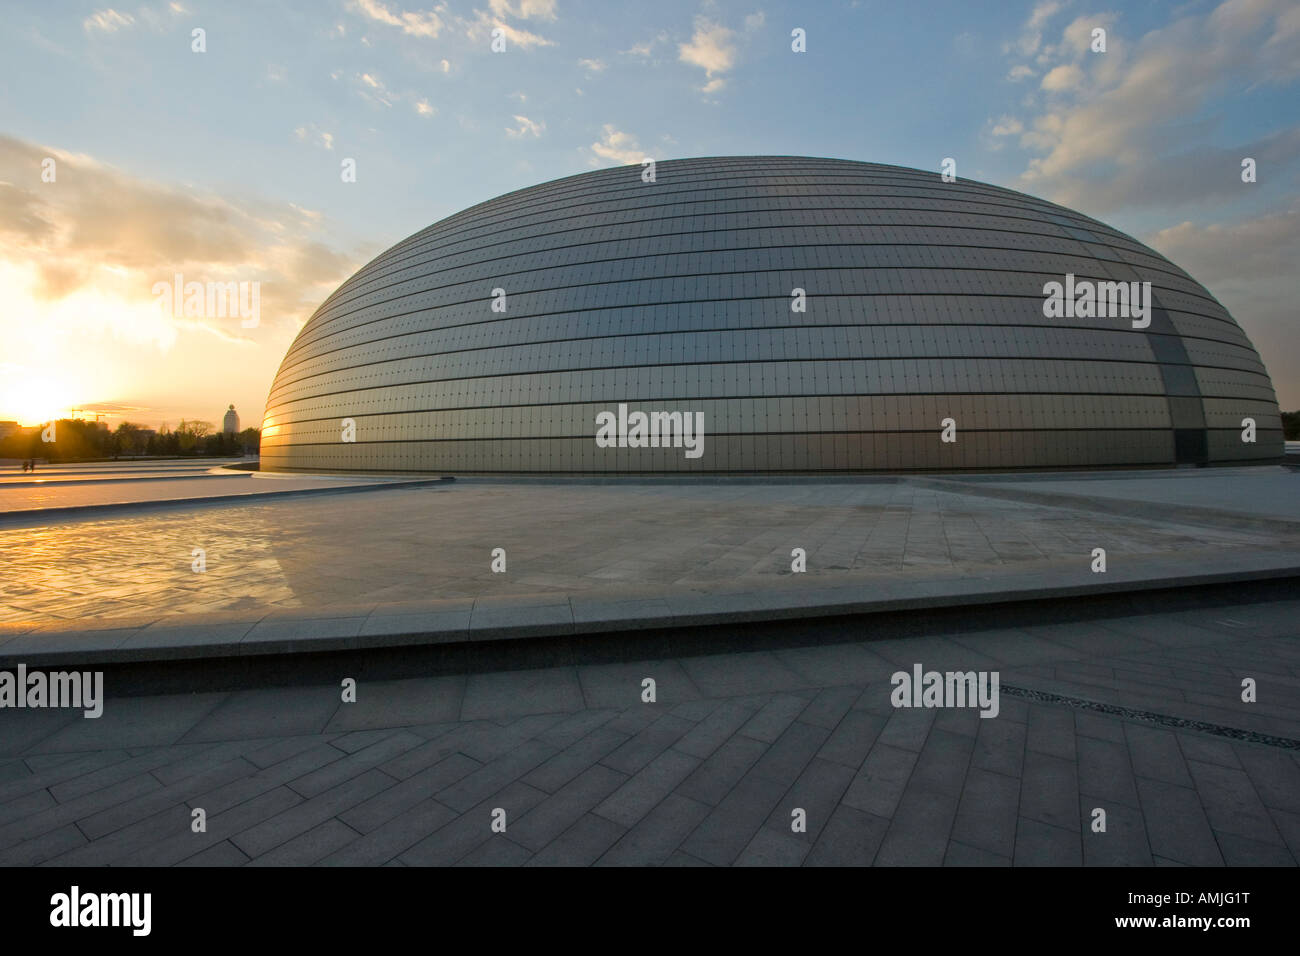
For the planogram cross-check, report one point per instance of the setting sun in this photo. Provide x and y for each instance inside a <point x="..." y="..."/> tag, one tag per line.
<point x="34" y="397"/>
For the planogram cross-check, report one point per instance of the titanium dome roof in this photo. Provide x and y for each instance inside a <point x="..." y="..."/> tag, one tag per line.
<point x="924" y="302"/>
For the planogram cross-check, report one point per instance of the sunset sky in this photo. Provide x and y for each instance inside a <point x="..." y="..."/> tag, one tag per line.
<point x="225" y="165"/>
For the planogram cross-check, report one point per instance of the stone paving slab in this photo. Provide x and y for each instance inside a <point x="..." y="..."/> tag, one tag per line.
<point x="38" y="502"/>
<point x="610" y="551"/>
<point x="1140" y="715"/>
<point x="1255" y="498"/>
<point x="712" y="773"/>
<point x="349" y="628"/>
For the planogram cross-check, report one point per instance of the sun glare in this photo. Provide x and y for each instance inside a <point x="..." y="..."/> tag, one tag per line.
<point x="55" y="349"/>
<point x="33" y="399"/>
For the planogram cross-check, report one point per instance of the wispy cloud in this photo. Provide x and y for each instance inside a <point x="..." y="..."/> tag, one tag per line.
<point x="1257" y="247"/>
<point x="616" y="148"/>
<point x="85" y="250"/>
<point x="311" y="134"/>
<point x="646" y="47"/>
<point x="480" y="29"/>
<point x="107" y="21"/>
<point x="1031" y="35"/>
<point x="430" y="24"/>
<point x="524" y="9"/>
<point x="1249" y="264"/>
<point x="371" y="88"/>
<point x="712" y="49"/>
<point x="1008" y="126"/>
<point x="1108" y="123"/>
<point x="1067" y="76"/>
<point x="525" y="128"/>
<point x="413" y="23"/>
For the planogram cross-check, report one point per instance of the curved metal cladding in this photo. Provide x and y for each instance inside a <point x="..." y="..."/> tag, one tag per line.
<point x="924" y="302"/>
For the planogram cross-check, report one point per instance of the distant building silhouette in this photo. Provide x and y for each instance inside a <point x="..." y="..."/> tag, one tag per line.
<point x="230" y="424"/>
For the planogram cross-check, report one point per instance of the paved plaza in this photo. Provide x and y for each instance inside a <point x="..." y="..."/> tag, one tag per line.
<point x="1137" y="712"/>
<point x="79" y="490"/>
<point x="436" y="541"/>
<point x="586" y="773"/>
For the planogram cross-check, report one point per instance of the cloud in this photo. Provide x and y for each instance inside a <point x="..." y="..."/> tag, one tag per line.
<point x="1199" y="175"/>
<point x="711" y="49"/>
<point x="1042" y="12"/>
<point x="424" y="108"/>
<point x="1249" y="266"/>
<point x="1105" y="136"/>
<point x="524" y="9"/>
<point x="1142" y="126"/>
<point x="755" y="21"/>
<point x="415" y="24"/>
<point x="1261" y="247"/>
<point x="1007" y="126"/>
<point x="616" y="148"/>
<point x="107" y="21"/>
<point x="1067" y="76"/>
<point x="1019" y="73"/>
<point x="593" y="66"/>
<point x="85" y="251"/>
<point x="370" y="87"/>
<point x="1031" y="35"/>
<point x="312" y="134"/>
<point x="1076" y="39"/>
<point x="430" y="24"/>
<point x="526" y="128"/>
<point x="480" y="29"/>
<point x="998" y="132"/>
<point x="645" y="47"/>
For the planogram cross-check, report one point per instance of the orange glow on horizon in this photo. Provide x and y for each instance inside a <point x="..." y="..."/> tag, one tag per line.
<point x="34" y="398"/>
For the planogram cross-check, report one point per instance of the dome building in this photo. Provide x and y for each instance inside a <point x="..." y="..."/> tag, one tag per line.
<point x="767" y="315"/>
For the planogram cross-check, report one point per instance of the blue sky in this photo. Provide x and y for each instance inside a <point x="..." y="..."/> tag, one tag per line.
<point x="225" y="164"/>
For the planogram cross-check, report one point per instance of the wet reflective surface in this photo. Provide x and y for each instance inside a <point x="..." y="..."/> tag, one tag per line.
<point x="427" y="543"/>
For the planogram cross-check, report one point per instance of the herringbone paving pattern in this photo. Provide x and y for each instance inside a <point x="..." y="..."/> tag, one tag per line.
<point x="712" y="773"/>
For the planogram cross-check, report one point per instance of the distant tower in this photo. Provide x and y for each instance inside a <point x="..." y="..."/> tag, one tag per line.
<point x="230" y="424"/>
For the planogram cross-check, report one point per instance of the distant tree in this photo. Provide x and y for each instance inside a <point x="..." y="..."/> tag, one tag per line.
<point x="250" y="440"/>
<point x="1291" y="425"/>
<point x="129" y="439"/>
<point x="73" y="439"/>
<point x="190" y="434"/>
<point x="219" y="443"/>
